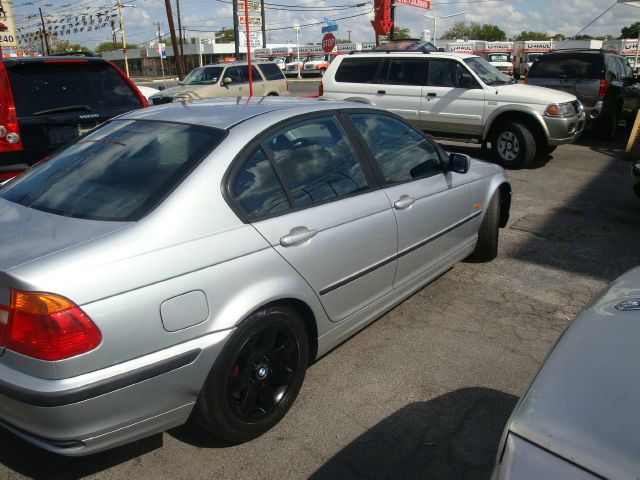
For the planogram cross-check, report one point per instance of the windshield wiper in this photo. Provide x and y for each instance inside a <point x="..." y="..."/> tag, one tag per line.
<point x="70" y="108"/>
<point x="497" y="82"/>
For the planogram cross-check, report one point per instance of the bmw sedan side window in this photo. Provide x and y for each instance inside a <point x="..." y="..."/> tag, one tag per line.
<point x="317" y="161"/>
<point x="401" y="153"/>
<point x="257" y="188"/>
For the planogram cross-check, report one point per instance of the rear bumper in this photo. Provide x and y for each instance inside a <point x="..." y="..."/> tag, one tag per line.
<point x="109" y="407"/>
<point x="564" y="130"/>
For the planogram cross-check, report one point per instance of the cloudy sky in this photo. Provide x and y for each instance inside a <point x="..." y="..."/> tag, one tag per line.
<point x="203" y="17"/>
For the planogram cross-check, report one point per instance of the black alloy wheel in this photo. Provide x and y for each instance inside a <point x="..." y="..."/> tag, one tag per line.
<point x="257" y="376"/>
<point x="263" y="373"/>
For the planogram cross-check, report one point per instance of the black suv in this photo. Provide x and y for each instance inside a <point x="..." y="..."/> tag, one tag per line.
<point x="602" y="81"/>
<point x="47" y="102"/>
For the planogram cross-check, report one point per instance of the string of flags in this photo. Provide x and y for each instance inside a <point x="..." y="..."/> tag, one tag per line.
<point x="68" y="24"/>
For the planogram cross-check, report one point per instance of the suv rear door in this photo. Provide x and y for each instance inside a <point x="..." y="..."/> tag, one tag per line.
<point x="57" y="100"/>
<point x="399" y="87"/>
<point x="578" y="73"/>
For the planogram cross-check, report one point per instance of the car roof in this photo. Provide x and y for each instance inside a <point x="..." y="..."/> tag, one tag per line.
<point x="228" y="112"/>
<point x="62" y="59"/>
<point x="410" y="54"/>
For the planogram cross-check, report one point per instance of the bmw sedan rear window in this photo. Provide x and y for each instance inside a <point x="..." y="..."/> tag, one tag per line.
<point x="568" y="65"/>
<point x="120" y="172"/>
<point x="40" y="87"/>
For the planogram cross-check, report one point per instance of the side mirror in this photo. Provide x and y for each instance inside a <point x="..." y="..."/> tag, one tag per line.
<point x="466" y="81"/>
<point x="226" y="81"/>
<point x="459" y="163"/>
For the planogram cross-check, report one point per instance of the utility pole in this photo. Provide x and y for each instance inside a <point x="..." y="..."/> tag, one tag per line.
<point x="264" y="25"/>
<point x="180" y="33"/>
<point x="174" y="40"/>
<point x="349" y="33"/>
<point x="44" y="32"/>
<point x="393" y="20"/>
<point x="124" y="39"/>
<point x="160" y="53"/>
<point x="236" y="30"/>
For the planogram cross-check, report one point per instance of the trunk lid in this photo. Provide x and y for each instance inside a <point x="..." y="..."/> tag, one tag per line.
<point x="27" y="234"/>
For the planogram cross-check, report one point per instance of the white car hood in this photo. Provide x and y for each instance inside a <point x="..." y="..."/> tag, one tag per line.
<point x="521" y="93"/>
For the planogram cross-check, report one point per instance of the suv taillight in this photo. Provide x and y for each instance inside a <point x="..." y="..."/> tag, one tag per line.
<point x="604" y="86"/>
<point x="320" y="89"/>
<point x="10" y="139"/>
<point x="46" y="326"/>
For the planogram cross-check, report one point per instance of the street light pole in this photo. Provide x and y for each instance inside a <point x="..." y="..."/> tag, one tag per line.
<point x="297" y="29"/>
<point x="435" y="21"/>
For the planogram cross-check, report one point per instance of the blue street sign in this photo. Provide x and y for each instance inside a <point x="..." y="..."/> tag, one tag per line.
<point x="164" y="54"/>
<point x="330" y="28"/>
<point x="328" y="21"/>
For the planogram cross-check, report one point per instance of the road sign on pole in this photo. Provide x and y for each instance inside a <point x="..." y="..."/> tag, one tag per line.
<point x="328" y="42"/>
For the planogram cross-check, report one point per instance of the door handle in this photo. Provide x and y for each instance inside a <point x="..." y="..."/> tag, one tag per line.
<point x="381" y="92"/>
<point x="296" y="236"/>
<point x="431" y="95"/>
<point x="405" y="201"/>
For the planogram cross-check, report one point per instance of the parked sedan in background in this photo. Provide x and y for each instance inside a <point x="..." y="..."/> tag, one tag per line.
<point x="196" y="257"/>
<point x="579" y="418"/>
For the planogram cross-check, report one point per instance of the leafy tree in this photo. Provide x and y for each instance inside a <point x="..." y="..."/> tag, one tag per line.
<point x="558" y="36"/>
<point x="583" y="37"/>
<point x="110" y="46"/>
<point x="524" y="35"/>
<point x="400" y="33"/>
<point x="631" y="31"/>
<point x="475" y="31"/>
<point x="226" y="36"/>
<point x="342" y="40"/>
<point x="61" y="46"/>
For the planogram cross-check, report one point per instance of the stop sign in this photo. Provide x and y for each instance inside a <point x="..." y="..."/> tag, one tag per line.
<point x="328" y="42"/>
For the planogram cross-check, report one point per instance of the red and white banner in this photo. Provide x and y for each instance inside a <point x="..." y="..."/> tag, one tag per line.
<point x="426" y="4"/>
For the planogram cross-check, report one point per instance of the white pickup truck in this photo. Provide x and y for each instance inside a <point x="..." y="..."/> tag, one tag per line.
<point x="460" y="96"/>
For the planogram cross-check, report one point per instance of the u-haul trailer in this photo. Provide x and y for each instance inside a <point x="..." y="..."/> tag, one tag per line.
<point x="525" y="52"/>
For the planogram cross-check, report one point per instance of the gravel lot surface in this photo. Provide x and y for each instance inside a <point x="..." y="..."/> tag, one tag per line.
<point x="425" y="391"/>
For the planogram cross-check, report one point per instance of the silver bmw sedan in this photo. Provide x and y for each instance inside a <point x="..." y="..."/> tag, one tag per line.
<point x="195" y="258"/>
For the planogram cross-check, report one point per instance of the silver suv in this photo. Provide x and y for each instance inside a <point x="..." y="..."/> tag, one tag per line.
<point x="462" y="96"/>
<point x="227" y="80"/>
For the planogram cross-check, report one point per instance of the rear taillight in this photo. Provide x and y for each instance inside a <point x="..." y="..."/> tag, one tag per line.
<point x="46" y="326"/>
<point x="604" y="86"/>
<point x="142" y="98"/>
<point x="320" y="89"/>
<point x="10" y="139"/>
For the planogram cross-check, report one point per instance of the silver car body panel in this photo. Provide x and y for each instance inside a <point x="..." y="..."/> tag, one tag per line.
<point x="122" y="274"/>
<point x="582" y="404"/>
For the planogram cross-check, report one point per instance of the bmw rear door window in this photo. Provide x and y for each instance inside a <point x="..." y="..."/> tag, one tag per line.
<point x="117" y="173"/>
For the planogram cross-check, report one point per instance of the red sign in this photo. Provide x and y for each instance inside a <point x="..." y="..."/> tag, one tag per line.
<point x="426" y="4"/>
<point x="328" y="42"/>
<point x="382" y="23"/>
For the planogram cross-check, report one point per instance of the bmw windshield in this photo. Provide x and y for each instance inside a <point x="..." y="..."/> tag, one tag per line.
<point x="489" y="74"/>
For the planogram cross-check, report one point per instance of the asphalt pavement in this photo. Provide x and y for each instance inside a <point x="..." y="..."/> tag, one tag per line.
<point x="425" y="391"/>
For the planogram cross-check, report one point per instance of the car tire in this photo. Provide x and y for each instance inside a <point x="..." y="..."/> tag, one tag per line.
<point x="256" y="378"/>
<point x="487" y="245"/>
<point x="514" y="145"/>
